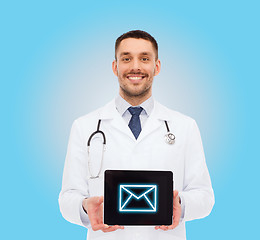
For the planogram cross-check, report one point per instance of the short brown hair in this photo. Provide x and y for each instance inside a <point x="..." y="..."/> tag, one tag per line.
<point x="137" y="34"/>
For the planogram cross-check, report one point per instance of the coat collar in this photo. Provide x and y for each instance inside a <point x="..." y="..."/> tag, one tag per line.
<point x="109" y="111"/>
<point x="155" y="120"/>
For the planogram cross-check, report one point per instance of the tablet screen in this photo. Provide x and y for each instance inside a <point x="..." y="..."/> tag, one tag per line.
<point x="138" y="197"/>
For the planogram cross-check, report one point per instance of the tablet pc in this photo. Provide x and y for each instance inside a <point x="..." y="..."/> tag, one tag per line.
<point x="138" y="197"/>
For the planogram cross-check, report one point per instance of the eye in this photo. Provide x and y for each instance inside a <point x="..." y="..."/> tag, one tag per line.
<point x="126" y="59"/>
<point x="145" y="59"/>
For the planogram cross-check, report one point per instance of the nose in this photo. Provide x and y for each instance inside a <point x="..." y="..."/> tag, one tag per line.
<point x="135" y="65"/>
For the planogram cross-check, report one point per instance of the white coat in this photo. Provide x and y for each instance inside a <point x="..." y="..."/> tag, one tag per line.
<point x="185" y="158"/>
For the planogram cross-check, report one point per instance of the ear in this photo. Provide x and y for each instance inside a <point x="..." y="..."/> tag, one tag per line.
<point x="114" y="67"/>
<point x="157" y="67"/>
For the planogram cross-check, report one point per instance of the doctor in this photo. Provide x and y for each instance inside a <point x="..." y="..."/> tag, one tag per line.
<point x="134" y="125"/>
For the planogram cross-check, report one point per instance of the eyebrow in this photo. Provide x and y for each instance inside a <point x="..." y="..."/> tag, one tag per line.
<point x="124" y="53"/>
<point x="128" y="53"/>
<point x="145" y="53"/>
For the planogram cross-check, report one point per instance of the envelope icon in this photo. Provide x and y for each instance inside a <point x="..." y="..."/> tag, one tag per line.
<point x="137" y="198"/>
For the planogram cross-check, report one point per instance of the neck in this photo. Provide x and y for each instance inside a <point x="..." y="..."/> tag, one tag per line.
<point x="135" y="100"/>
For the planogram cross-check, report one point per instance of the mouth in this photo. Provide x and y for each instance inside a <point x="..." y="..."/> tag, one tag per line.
<point x="135" y="78"/>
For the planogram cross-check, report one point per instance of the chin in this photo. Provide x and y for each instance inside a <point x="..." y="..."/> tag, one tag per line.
<point x="140" y="93"/>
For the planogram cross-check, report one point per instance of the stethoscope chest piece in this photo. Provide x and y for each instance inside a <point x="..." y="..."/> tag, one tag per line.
<point x="170" y="138"/>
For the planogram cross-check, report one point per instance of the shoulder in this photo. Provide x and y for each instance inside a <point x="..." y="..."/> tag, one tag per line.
<point x="181" y="124"/>
<point x="93" y="117"/>
<point x="173" y="115"/>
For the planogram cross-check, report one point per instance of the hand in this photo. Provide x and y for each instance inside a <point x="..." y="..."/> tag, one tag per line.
<point x="94" y="207"/>
<point x="176" y="213"/>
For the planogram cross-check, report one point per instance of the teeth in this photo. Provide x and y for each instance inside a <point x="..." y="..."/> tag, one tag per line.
<point x="135" y="78"/>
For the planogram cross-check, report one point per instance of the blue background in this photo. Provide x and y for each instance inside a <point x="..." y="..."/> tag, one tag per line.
<point x="56" y="66"/>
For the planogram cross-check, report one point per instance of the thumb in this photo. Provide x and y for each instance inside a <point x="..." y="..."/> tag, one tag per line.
<point x="100" y="200"/>
<point x="175" y="194"/>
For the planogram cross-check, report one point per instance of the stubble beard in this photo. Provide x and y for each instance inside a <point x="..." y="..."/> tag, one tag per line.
<point x="136" y="93"/>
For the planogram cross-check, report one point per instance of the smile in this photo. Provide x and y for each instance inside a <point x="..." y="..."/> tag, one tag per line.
<point x="135" y="78"/>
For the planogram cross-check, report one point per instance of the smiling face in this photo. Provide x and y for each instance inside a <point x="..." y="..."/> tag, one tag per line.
<point x="135" y="66"/>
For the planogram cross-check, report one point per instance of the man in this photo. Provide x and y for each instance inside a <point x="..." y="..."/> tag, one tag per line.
<point x="135" y="144"/>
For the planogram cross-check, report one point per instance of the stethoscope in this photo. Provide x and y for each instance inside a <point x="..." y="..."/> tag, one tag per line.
<point x="169" y="138"/>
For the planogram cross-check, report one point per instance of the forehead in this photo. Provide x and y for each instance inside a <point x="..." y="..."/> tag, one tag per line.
<point x="135" y="46"/>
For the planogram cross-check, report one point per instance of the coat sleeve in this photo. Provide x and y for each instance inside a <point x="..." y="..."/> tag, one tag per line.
<point x="197" y="191"/>
<point x="74" y="183"/>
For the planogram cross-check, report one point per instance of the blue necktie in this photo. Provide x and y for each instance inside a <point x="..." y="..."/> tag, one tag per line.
<point x="134" y="123"/>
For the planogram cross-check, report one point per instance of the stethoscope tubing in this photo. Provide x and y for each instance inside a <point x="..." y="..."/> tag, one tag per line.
<point x="169" y="138"/>
<point x="94" y="133"/>
<point x="92" y="176"/>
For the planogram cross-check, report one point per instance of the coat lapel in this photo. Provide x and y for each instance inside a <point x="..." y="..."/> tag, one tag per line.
<point x="110" y="113"/>
<point x="154" y="121"/>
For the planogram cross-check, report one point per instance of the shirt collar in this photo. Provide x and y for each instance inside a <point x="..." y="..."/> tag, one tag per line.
<point x="122" y="105"/>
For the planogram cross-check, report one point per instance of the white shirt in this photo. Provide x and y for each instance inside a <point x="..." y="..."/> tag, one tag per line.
<point x="122" y="107"/>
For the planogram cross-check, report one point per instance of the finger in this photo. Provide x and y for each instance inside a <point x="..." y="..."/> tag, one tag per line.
<point x="112" y="228"/>
<point x="163" y="227"/>
<point x="109" y="230"/>
<point x="120" y="227"/>
<point x="166" y="228"/>
<point x="96" y="227"/>
<point x="171" y="227"/>
<point x="100" y="199"/>
<point x="102" y="217"/>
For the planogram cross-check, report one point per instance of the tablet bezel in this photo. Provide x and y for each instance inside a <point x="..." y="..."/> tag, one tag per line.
<point x="164" y="181"/>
